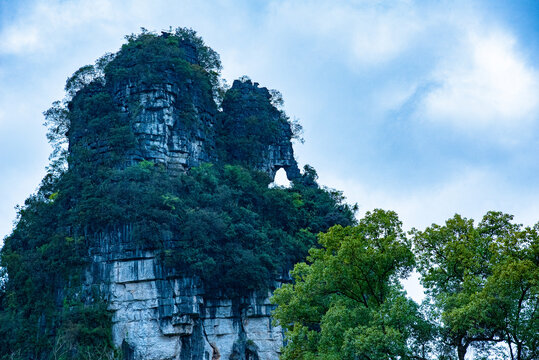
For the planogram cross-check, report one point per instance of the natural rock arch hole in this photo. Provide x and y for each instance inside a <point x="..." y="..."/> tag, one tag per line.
<point x="281" y="179"/>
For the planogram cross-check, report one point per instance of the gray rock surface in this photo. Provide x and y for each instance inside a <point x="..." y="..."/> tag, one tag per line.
<point x="172" y="122"/>
<point x="158" y="315"/>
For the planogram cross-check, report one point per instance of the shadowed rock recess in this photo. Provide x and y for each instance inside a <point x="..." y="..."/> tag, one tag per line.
<point x="161" y="238"/>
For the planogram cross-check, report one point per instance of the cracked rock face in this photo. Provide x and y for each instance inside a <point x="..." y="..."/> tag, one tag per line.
<point x="172" y="122"/>
<point x="158" y="316"/>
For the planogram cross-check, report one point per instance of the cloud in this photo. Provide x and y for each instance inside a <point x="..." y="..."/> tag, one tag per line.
<point x="471" y="192"/>
<point x="479" y="83"/>
<point x="45" y="25"/>
<point x="363" y="33"/>
<point x="16" y="42"/>
<point x="485" y="85"/>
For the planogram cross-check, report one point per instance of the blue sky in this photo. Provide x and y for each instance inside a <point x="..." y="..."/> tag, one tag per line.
<point x="425" y="108"/>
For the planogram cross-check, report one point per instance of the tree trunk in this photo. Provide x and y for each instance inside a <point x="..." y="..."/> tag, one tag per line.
<point x="461" y="351"/>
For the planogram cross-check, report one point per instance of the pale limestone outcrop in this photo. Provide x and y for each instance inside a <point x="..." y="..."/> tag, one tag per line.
<point x="158" y="315"/>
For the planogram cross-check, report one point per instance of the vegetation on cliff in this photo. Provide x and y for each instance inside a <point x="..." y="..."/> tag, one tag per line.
<point x="221" y="222"/>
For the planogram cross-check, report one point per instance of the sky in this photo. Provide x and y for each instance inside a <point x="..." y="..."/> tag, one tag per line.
<point x="427" y="108"/>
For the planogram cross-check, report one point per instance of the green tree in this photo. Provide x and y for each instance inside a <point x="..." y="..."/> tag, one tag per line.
<point x="347" y="303"/>
<point x="482" y="283"/>
<point x="513" y="289"/>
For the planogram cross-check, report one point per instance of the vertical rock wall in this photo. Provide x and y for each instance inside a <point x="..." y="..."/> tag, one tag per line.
<point x="175" y="124"/>
<point x="158" y="315"/>
<point x="258" y="133"/>
<point x="172" y="122"/>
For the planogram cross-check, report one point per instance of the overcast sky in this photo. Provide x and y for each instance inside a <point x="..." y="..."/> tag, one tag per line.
<point x="425" y="108"/>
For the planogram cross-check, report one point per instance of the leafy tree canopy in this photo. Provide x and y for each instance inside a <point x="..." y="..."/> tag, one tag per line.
<point x="483" y="283"/>
<point x="347" y="303"/>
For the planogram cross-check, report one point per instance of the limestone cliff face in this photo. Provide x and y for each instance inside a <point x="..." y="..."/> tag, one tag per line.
<point x="176" y="123"/>
<point x="172" y="122"/>
<point x="174" y="119"/>
<point x="159" y="315"/>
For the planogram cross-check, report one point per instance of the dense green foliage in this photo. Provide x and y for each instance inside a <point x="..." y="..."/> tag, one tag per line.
<point x="42" y="257"/>
<point x="250" y="123"/>
<point x="222" y="223"/>
<point x="219" y="222"/>
<point x="151" y="59"/>
<point x="348" y="303"/>
<point x="483" y="282"/>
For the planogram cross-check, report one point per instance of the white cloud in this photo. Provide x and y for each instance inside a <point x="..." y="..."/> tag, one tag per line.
<point x="378" y="37"/>
<point x="470" y="192"/>
<point x="363" y="33"/>
<point x="486" y="84"/>
<point x="46" y="24"/>
<point x="15" y="41"/>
